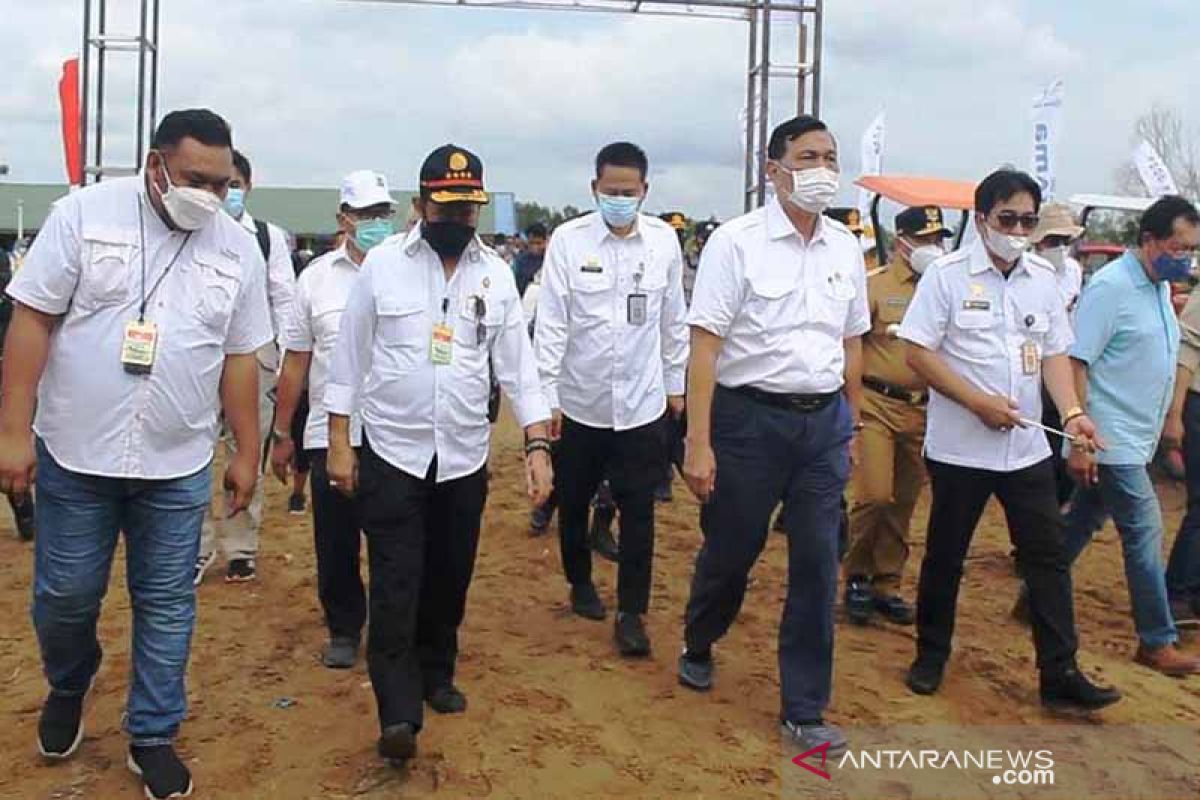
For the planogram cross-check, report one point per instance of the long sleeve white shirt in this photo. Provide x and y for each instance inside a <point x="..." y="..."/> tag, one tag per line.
<point x="598" y="365"/>
<point x="411" y="408"/>
<point x="281" y="284"/>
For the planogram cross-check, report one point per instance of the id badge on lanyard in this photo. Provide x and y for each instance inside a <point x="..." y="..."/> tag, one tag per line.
<point x="138" y="347"/>
<point x="636" y="304"/>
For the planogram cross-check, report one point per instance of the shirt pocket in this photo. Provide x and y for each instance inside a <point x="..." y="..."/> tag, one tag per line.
<point x="467" y="326"/>
<point x="108" y="267"/>
<point x="404" y="331"/>
<point x="770" y="302"/>
<point x="591" y="296"/>
<point x="889" y="315"/>
<point x="975" y="330"/>
<point x="218" y="284"/>
<point x="829" y="301"/>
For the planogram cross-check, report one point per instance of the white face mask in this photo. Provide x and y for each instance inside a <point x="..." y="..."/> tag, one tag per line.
<point x="190" y="209"/>
<point x="921" y="257"/>
<point x="1056" y="256"/>
<point x="813" y="189"/>
<point x="1006" y="246"/>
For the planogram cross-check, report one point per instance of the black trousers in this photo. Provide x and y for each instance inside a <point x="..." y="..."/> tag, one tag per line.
<point x="1064" y="485"/>
<point x="633" y="462"/>
<point x="1036" y="529"/>
<point x="337" y="535"/>
<point x="422" y="537"/>
<point x="765" y="455"/>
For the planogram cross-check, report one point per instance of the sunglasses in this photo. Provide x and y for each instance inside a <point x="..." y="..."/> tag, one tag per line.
<point x="1007" y="220"/>
<point x="480" y="313"/>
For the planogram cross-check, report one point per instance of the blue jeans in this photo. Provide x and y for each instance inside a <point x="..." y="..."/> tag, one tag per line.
<point x="1126" y="493"/>
<point x="1183" y="568"/>
<point x="78" y="519"/>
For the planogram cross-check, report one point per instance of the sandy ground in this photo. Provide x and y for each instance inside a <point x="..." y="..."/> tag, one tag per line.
<point x="554" y="712"/>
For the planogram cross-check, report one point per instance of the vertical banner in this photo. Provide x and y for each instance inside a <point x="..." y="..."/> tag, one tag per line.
<point x="1047" y="109"/>
<point x="871" y="158"/>
<point x="1153" y="171"/>
<point x="68" y="99"/>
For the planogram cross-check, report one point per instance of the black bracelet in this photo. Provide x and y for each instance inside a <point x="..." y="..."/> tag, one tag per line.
<point x="536" y="445"/>
<point x="536" y="440"/>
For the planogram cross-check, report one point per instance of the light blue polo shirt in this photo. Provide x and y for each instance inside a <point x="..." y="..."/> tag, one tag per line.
<point x="1126" y="331"/>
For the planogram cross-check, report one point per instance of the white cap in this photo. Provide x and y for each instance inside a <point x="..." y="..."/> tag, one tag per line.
<point x="365" y="188"/>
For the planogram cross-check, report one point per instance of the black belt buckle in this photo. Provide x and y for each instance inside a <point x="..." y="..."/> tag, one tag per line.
<point x="807" y="405"/>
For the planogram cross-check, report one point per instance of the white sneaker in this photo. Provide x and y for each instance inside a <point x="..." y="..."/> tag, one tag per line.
<point x="202" y="564"/>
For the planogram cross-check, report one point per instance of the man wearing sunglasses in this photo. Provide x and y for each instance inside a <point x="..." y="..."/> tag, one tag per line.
<point x="426" y="315"/>
<point x="986" y="328"/>
<point x="365" y="216"/>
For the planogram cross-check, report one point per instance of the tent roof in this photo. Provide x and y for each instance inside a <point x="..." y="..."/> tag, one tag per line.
<point x="917" y="191"/>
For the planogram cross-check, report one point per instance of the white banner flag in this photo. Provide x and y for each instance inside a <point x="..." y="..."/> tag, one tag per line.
<point x="872" y="158"/>
<point x="1047" y="109"/>
<point x="1153" y="171"/>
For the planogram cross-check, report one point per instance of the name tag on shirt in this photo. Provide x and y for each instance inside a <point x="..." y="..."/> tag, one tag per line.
<point x="441" y="347"/>
<point x="897" y="302"/>
<point x="138" y="347"/>
<point x="592" y="266"/>
<point x="977" y="305"/>
<point x="1029" y="358"/>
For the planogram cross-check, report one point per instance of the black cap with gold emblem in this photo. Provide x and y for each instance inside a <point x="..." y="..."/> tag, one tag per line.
<point x="453" y="174"/>
<point x="850" y="217"/>
<point x="921" y="221"/>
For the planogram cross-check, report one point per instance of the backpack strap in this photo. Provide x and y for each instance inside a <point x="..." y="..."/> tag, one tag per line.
<point x="263" y="234"/>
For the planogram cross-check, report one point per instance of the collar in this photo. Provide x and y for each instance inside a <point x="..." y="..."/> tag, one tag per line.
<point x="600" y="230"/>
<point x="1137" y="272"/>
<point x="247" y="222"/>
<point x="902" y="269"/>
<point x="981" y="260"/>
<point x="153" y="221"/>
<point x="413" y="241"/>
<point x="343" y="254"/>
<point x="780" y="227"/>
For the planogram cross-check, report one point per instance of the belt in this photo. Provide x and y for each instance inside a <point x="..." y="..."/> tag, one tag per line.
<point x="804" y="403"/>
<point x="895" y="392"/>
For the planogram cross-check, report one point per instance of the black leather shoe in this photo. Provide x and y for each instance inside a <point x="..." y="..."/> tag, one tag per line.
<point x="630" y="635"/>
<point x="1071" y="691"/>
<point x="586" y="603"/>
<point x="447" y="699"/>
<point x="894" y="609"/>
<point x="398" y="742"/>
<point x="340" y="652"/>
<point x="696" y="672"/>
<point x="924" y="677"/>
<point x="600" y="537"/>
<point x="859" y="600"/>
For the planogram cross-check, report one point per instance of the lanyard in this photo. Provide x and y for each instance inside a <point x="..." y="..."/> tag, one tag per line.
<point x="142" y="239"/>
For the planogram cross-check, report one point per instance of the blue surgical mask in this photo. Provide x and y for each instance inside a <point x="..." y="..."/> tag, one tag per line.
<point x="618" y="212"/>
<point x="1173" y="268"/>
<point x="370" y="232"/>
<point x="235" y="202"/>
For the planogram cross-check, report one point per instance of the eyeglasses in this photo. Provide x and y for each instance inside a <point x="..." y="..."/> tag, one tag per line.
<point x="1007" y="220"/>
<point x="366" y="214"/>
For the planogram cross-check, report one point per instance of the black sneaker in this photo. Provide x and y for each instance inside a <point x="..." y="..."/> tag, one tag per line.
<point x="814" y="733"/>
<point x="240" y="570"/>
<point x="398" y="742"/>
<point x="203" y="562"/>
<point x="586" y="602"/>
<point x="860" y="601"/>
<point x="340" y="652"/>
<point x="1184" y="613"/>
<point x="630" y="635"/>
<point x="925" y="677"/>
<point x="696" y="671"/>
<point x="163" y="774"/>
<point x="447" y="699"/>
<point x="60" y="728"/>
<point x="895" y="609"/>
<point x="297" y="504"/>
<point x="1072" y="692"/>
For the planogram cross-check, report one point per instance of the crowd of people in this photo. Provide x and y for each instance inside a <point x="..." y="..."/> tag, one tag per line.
<point x="154" y="320"/>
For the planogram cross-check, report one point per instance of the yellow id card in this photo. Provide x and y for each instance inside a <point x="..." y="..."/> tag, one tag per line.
<point x="138" y="347"/>
<point x="441" y="347"/>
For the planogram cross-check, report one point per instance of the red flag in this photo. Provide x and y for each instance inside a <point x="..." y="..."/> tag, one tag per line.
<point x="68" y="98"/>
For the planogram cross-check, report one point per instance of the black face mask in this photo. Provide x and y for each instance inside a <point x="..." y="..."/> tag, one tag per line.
<point x="448" y="239"/>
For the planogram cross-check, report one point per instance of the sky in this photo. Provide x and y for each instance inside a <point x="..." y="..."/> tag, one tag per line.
<point x="317" y="88"/>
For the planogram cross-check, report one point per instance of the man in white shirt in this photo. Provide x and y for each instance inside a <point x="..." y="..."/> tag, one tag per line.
<point x="774" y="389"/>
<point x="139" y="311"/>
<point x="428" y="312"/>
<point x="240" y="533"/>
<point x="611" y="344"/>
<point x="365" y="215"/>
<point x="986" y="327"/>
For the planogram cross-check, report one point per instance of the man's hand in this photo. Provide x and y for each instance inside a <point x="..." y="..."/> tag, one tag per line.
<point x="539" y="477"/>
<point x="1082" y="466"/>
<point x="1087" y="437"/>
<point x="342" y="466"/>
<point x="675" y="405"/>
<point x="699" y="469"/>
<point x="240" y="476"/>
<point x="855" y="449"/>
<point x="555" y="424"/>
<point x="997" y="411"/>
<point x="18" y="463"/>
<point x="1172" y="435"/>
<point x="283" y="453"/>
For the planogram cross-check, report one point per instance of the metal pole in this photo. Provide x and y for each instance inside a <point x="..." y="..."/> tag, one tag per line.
<point x="818" y="47"/>
<point x="802" y="77"/>
<point x="749" y="183"/>
<point x="154" y="75"/>
<point x="101" y="58"/>
<point x="141" y="90"/>
<point x="764" y="65"/>
<point x="20" y="220"/>
<point x="86" y="56"/>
